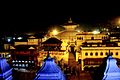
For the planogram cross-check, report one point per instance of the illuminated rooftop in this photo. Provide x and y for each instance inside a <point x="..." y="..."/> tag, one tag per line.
<point x="5" y="70"/>
<point x="49" y="71"/>
<point x="112" y="71"/>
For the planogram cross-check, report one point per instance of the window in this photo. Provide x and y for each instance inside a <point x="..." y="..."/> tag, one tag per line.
<point x="116" y="53"/>
<point x="92" y="38"/>
<point x="111" y="53"/>
<point x="96" y="53"/>
<point x="101" y="53"/>
<point x="106" y="53"/>
<point x="91" y="53"/>
<point x="86" y="54"/>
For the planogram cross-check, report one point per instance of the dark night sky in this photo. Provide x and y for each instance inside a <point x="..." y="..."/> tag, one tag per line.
<point x="38" y="17"/>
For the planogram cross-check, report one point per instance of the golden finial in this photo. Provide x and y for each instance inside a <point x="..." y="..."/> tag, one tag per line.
<point x="70" y="20"/>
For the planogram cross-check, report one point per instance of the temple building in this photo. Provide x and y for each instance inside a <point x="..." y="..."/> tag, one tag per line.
<point x="112" y="71"/>
<point x="68" y="36"/>
<point x="5" y="70"/>
<point x="92" y="56"/>
<point x="24" y="56"/>
<point x="89" y="48"/>
<point x="49" y="71"/>
<point x="53" y="45"/>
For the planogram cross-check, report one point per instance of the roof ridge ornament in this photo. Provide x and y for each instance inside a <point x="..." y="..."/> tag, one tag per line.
<point x="70" y="20"/>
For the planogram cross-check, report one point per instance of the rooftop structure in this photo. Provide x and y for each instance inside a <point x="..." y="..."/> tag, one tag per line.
<point x="112" y="71"/>
<point x="49" y="71"/>
<point x="5" y="70"/>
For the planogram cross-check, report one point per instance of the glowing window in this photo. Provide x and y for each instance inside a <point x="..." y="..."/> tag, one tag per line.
<point x="23" y="65"/>
<point x="32" y="61"/>
<point x="16" y="64"/>
<point x="19" y="61"/>
<point x="13" y="64"/>
<point x="26" y="65"/>
<point x="22" y="61"/>
<point x="13" y="61"/>
<point x="20" y="65"/>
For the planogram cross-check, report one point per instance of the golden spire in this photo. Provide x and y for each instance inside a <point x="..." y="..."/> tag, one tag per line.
<point x="70" y="20"/>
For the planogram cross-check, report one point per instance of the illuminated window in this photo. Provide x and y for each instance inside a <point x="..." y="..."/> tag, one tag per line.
<point x="13" y="64"/>
<point x="16" y="64"/>
<point x="13" y="61"/>
<point x="96" y="53"/>
<point x="22" y="61"/>
<point x="101" y="53"/>
<point x="116" y="53"/>
<point x="86" y="54"/>
<point x="20" y="65"/>
<point x="19" y="61"/>
<point x="26" y="65"/>
<point x="91" y="54"/>
<point x="23" y="65"/>
<point x="25" y="61"/>
<point x="32" y="61"/>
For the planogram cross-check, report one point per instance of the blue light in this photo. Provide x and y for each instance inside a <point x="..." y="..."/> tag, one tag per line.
<point x="112" y="71"/>
<point x="50" y="71"/>
<point x="6" y="71"/>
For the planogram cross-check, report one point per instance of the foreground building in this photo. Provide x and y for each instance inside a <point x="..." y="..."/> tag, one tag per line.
<point x="50" y="71"/>
<point x="112" y="72"/>
<point x="5" y="70"/>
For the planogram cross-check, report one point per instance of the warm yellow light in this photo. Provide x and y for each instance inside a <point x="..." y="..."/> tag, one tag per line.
<point x="95" y="32"/>
<point x="55" y="32"/>
<point x="119" y="21"/>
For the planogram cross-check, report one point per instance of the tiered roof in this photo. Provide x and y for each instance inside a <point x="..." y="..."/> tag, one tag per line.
<point x="112" y="71"/>
<point x="5" y="70"/>
<point x="49" y="71"/>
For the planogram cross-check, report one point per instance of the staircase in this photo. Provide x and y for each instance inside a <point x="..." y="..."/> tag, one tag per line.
<point x="71" y="61"/>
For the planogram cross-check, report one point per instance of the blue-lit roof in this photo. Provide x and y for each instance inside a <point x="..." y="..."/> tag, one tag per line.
<point x="112" y="71"/>
<point x="5" y="70"/>
<point x="50" y="71"/>
<point x="4" y="66"/>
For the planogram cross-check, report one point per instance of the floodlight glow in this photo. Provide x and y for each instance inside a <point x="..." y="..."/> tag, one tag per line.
<point x="119" y="21"/>
<point x="9" y="55"/>
<point x="5" y="70"/>
<point x="95" y="32"/>
<point x="55" y="32"/>
<point x="112" y="71"/>
<point x="14" y="38"/>
<point x="50" y="71"/>
<point x="19" y="38"/>
<point x="8" y="40"/>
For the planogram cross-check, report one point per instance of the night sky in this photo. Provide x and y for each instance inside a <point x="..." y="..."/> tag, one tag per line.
<point x="39" y="16"/>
